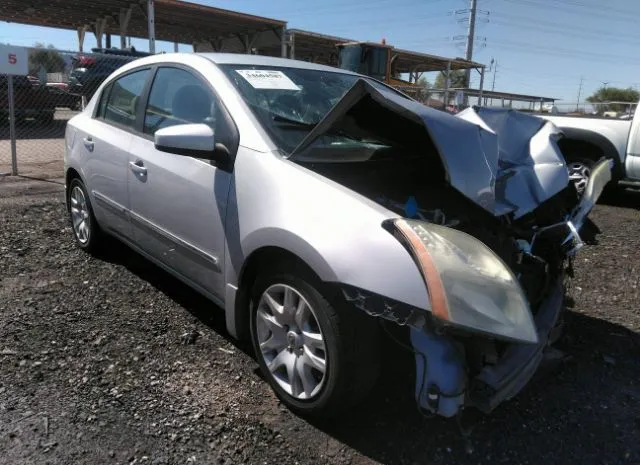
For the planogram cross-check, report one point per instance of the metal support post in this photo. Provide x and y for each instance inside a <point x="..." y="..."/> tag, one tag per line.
<point x="98" y="30"/>
<point x="12" y="127"/>
<point x="446" y="85"/>
<point x="175" y="47"/>
<point x="283" y="42"/>
<point x="151" y="25"/>
<point x="123" y="23"/>
<point x="481" y="86"/>
<point x="81" y="32"/>
<point x="107" y="40"/>
<point x="292" y="46"/>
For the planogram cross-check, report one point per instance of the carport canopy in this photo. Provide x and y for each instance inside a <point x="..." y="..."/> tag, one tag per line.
<point x="321" y="48"/>
<point x="176" y="21"/>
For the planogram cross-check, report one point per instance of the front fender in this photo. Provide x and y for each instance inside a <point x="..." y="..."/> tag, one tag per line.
<point x="338" y="233"/>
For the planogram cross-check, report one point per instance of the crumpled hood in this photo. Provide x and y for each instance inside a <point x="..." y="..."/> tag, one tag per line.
<point x="503" y="160"/>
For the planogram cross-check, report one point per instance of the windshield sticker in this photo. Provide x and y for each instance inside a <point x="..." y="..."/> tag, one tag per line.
<point x="267" y="79"/>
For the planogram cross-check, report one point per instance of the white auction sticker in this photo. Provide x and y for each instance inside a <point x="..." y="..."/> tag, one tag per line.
<point x="267" y="79"/>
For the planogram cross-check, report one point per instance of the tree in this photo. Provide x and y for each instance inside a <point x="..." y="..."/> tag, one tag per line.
<point x="423" y="84"/>
<point x="613" y="94"/>
<point x="45" y="57"/>
<point x="457" y="79"/>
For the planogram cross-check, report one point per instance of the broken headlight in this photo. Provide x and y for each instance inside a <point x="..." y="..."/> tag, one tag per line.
<point x="469" y="285"/>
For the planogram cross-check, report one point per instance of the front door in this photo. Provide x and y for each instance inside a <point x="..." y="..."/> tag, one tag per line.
<point x="178" y="203"/>
<point x="105" y="141"/>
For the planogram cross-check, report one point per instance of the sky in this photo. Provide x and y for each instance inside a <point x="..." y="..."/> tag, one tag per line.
<point x="542" y="47"/>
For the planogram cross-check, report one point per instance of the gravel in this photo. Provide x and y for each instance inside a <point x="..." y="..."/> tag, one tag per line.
<point x="113" y="361"/>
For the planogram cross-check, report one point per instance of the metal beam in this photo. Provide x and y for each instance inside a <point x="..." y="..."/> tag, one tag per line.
<point x="151" y="25"/>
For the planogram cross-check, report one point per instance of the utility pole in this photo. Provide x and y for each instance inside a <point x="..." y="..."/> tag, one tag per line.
<point x="495" y="70"/>
<point x="470" y="36"/>
<point x="579" y="93"/>
<point x="605" y="83"/>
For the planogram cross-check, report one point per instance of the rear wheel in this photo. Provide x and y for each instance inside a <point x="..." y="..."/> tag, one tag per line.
<point x="318" y="360"/>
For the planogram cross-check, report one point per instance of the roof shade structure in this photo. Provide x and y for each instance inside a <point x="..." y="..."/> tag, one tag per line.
<point x="170" y="20"/>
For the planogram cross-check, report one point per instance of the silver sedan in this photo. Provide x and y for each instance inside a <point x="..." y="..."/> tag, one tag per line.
<point x="317" y="207"/>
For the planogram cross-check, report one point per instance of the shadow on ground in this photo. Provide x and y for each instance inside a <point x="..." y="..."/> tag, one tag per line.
<point x="583" y="406"/>
<point x="625" y="198"/>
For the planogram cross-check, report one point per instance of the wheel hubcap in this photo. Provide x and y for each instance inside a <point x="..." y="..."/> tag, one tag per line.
<point x="291" y="341"/>
<point x="579" y="174"/>
<point x="80" y="215"/>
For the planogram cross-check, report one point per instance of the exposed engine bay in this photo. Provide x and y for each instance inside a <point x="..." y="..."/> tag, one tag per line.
<point x="495" y="175"/>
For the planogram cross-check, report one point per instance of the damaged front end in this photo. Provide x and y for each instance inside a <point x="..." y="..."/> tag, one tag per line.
<point x="487" y="212"/>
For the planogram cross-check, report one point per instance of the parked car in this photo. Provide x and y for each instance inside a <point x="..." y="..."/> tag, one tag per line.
<point x="89" y="70"/>
<point x="315" y="205"/>
<point x="588" y="139"/>
<point x="29" y="101"/>
<point x="62" y="97"/>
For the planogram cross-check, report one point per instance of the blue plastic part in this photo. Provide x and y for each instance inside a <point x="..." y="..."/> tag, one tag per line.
<point x="411" y="207"/>
<point x="440" y="389"/>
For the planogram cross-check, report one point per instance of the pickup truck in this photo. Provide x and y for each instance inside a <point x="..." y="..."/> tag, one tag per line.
<point x="587" y="139"/>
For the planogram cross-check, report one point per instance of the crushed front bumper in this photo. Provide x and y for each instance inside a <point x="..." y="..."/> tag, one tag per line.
<point x="497" y="383"/>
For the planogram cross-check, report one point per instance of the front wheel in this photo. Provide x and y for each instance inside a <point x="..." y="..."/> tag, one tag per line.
<point x="86" y="231"/>
<point x="318" y="360"/>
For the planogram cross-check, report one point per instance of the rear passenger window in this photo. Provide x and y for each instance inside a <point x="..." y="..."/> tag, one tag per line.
<point x="178" y="97"/>
<point x="122" y="100"/>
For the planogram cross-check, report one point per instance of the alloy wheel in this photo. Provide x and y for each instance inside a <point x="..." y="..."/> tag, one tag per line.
<point x="80" y="215"/>
<point x="579" y="173"/>
<point x="291" y="341"/>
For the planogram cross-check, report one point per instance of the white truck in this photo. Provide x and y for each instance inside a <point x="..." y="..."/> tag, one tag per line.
<point x="587" y="139"/>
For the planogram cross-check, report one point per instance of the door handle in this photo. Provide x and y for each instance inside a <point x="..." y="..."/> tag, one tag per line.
<point x="88" y="143"/>
<point x="138" y="167"/>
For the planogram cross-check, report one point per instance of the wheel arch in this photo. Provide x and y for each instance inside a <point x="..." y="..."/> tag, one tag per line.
<point x="69" y="176"/>
<point x="591" y="145"/>
<point x="258" y="260"/>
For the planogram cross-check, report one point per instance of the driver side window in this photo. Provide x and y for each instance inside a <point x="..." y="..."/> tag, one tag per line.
<point x="178" y="97"/>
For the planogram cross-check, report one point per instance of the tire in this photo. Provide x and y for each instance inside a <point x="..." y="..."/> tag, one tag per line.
<point x="579" y="171"/>
<point x="349" y="340"/>
<point x="89" y="237"/>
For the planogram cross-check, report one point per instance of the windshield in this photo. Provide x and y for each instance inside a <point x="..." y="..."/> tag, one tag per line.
<point x="289" y="102"/>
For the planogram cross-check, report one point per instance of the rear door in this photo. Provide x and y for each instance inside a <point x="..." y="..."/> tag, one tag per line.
<point x="105" y="140"/>
<point x="178" y="203"/>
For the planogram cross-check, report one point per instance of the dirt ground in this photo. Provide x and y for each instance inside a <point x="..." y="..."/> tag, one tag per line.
<point x="93" y="368"/>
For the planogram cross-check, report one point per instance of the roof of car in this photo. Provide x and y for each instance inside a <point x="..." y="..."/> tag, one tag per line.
<point x="239" y="59"/>
<point x="261" y="60"/>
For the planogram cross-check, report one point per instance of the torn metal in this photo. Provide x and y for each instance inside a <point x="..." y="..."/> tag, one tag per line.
<point x="503" y="160"/>
<point x="495" y="277"/>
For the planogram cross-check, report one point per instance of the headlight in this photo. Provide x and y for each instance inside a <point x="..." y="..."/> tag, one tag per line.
<point x="469" y="285"/>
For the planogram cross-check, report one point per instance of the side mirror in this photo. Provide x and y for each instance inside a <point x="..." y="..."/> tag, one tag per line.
<point x="193" y="140"/>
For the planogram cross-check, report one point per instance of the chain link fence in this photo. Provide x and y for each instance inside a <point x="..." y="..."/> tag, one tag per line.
<point x="44" y="100"/>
